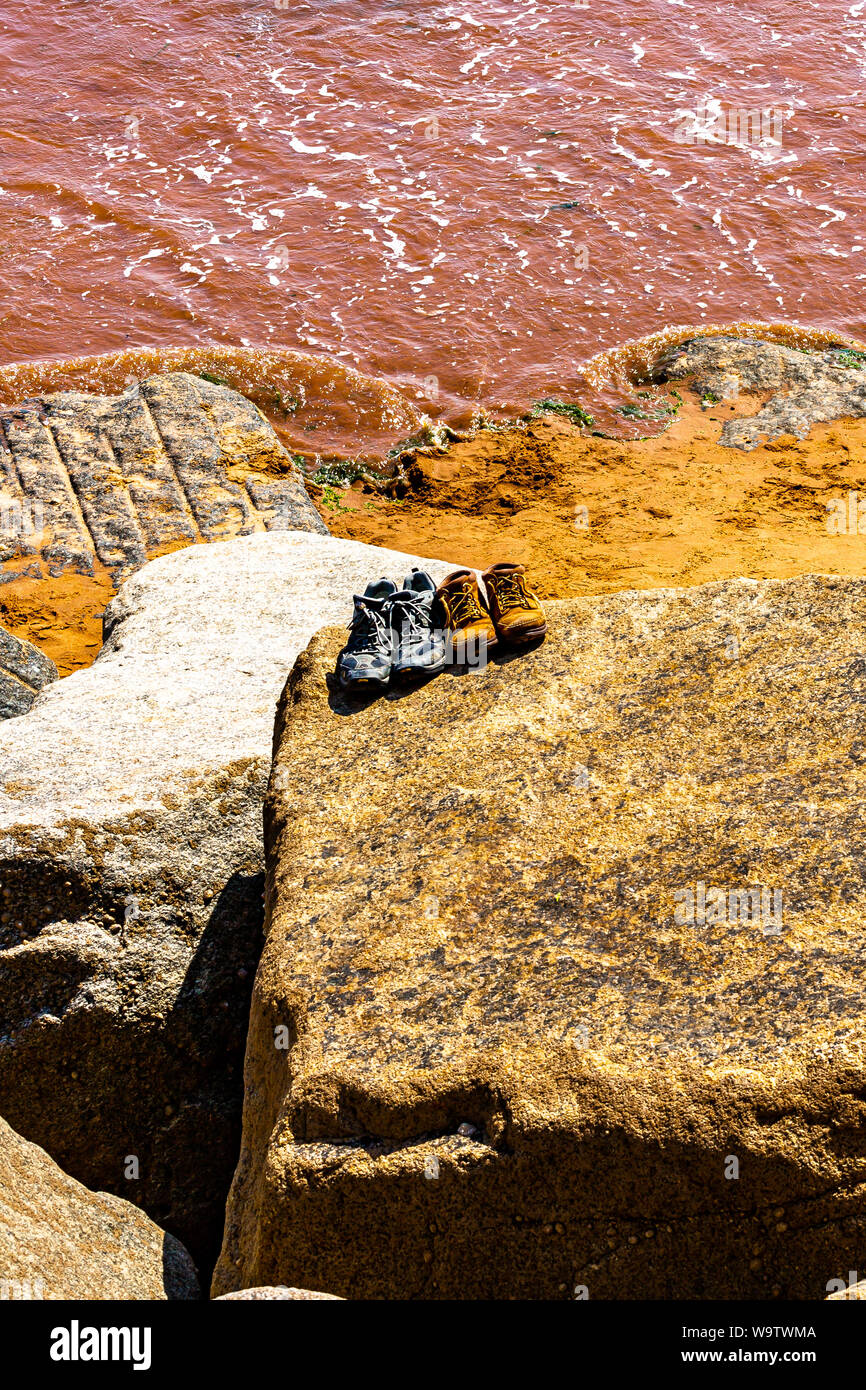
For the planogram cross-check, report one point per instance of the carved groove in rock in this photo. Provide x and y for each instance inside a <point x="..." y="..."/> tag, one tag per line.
<point x="121" y="479"/>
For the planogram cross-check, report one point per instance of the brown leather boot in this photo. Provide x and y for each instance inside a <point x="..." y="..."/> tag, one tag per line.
<point x="516" y="611"/>
<point x="467" y="616"/>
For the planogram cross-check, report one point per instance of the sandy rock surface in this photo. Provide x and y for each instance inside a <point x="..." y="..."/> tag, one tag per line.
<point x="58" y="1240"/>
<point x="270" y="1294"/>
<point x="562" y="987"/>
<point x="131" y="867"/>
<point x="808" y="387"/>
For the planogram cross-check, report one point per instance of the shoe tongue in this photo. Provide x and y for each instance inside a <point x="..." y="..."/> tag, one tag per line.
<point x="379" y="589"/>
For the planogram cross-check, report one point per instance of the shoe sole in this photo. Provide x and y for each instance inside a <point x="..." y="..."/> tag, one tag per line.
<point x="527" y="635"/>
<point x="458" y="653"/>
<point x="362" y="683"/>
<point x="404" y="675"/>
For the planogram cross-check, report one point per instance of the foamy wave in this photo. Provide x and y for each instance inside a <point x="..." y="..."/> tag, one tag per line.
<point x="325" y="410"/>
<point x="318" y="406"/>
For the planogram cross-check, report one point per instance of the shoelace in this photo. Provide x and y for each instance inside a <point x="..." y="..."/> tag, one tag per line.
<point x="509" y="589"/>
<point x="408" y="618"/>
<point x="465" y="606"/>
<point x="369" y="630"/>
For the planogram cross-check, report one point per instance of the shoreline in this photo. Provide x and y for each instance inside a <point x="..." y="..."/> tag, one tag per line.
<point x="587" y="514"/>
<point x="327" y="411"/>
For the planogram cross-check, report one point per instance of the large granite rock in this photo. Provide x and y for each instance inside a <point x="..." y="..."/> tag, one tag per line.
<point x="58" y="1240"/>
<point x="810" y="387"/>
<point x="131" y="867"/>
<point x="531" y="1019"/>
<point x="175" y="459"/>
<point x="24" y="670"/>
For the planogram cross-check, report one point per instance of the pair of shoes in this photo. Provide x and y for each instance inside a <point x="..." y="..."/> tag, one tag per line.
<point x="409" y="633"/>
<point x="394" y="635"/>
<point x="510" y="612"/>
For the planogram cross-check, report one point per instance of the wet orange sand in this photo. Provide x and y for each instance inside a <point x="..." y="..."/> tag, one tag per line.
<point x="585" y="515"/>
<point x="62" y="616"/>
<point x="676" y="510"/>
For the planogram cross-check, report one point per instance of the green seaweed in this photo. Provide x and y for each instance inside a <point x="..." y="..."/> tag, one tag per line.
<point x="570" y="409"/>
<point x="340" y="473"/>
<point x="632" y="411"/>
<point x="412" y="441"/>
<point x="331" y="498"/>
<point x="850" y="357"/>
<point x="213" y="379"/>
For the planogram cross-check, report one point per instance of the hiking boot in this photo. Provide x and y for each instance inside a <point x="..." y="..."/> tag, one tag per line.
<point x="516" y="611"/>
<point x="466" y="614"/>
<point x="419" y="644"/>
<point x="365" y="661"/>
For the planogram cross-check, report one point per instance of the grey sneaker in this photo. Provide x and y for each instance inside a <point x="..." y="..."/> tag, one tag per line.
<point x="365" y="661"/>
<point x="419" y="638"/>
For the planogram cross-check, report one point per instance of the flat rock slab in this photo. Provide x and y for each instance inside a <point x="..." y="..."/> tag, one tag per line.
<point x="58" y="1240"/>
<point x="809" y="387"/>
<point x="24" y="670"/>
<point x="564" y="966"/>
<point x="174" y="460"/>
<point x="131" y="867"/>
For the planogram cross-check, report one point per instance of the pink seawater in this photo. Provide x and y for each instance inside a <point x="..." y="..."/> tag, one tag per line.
<point x="464" y="202"/>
